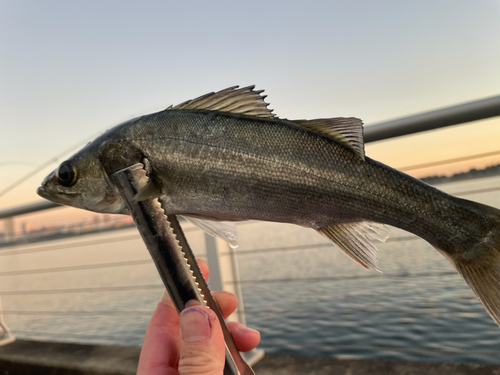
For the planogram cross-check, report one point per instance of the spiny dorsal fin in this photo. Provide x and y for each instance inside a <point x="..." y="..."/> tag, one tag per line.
<point x="245" y="101"/>
<point x="348" y="131"/>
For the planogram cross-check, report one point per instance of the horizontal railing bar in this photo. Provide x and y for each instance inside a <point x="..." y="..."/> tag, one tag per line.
<point x="28" y="208"/>
<point x="457" y="114"/>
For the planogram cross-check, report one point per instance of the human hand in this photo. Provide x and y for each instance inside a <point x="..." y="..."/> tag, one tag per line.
<point x="191" y="343"/>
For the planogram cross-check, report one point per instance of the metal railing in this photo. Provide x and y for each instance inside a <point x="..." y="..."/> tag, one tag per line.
<point x="458" y="114"/>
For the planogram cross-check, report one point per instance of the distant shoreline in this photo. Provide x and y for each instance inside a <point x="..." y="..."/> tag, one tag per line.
<point x="494" y="170"/>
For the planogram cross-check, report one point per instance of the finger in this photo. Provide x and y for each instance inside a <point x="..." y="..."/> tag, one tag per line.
<point x="160" y="350"/>
<point x="227" y="302"/>
<point x="203" y="268"/>
<point x="202" y="342"/>
<point x="166" y="300"/>
<point x="245" y="338"/>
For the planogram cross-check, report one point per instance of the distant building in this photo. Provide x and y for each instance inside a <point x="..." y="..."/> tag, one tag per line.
<point x="26" y="227"/>
<point x="10" y="233"/>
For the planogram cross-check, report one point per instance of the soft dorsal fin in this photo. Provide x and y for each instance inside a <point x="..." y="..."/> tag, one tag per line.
<point x="245" y="101"/>
<point x="348" y="131"/>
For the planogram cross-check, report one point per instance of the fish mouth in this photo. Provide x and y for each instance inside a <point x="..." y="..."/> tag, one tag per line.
<point x="50" y="196"/>
<point x="41" y="192"/>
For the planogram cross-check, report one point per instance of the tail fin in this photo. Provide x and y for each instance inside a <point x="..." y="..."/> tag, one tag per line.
<point x="480" y="267"/>
<point x="483" y="277"/>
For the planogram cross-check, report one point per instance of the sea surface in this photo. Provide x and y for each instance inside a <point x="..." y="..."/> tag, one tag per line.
<point x="303" y="295"/>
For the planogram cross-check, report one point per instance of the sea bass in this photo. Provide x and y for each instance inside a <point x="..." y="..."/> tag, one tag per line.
<point x="226" y="157"/>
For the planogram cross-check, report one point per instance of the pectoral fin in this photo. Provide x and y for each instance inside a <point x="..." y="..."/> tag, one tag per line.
<point x="151" y="190"/>
<point x="222" y="229"/>
<point x="352" y="239"/>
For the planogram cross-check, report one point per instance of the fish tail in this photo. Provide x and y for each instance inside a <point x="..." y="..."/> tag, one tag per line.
<point x="483" y="277"/>
<point x="479" y="265"/>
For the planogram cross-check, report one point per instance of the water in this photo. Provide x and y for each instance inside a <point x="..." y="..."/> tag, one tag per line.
<point x="302" y="294"/>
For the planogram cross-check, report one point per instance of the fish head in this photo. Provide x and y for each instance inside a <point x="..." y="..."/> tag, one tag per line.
<point x="82" y="182"/>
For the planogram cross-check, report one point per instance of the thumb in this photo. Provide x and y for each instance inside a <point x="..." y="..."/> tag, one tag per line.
<point x="202" y="342"/>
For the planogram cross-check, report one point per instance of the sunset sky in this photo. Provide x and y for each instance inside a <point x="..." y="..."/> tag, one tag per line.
<point x="70" y="70"/>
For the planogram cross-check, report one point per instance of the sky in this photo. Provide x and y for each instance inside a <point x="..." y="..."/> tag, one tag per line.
<point x="71" y="69"/>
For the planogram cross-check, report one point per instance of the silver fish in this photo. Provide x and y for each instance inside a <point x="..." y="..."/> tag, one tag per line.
<point x="226" y="157"/>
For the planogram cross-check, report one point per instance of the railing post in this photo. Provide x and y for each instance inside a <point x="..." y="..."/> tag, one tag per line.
<point x="6" y="336"/>
<point x="224" y="275"/>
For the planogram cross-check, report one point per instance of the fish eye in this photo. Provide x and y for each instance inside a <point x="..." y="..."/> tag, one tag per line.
<point x="66" y="174"/>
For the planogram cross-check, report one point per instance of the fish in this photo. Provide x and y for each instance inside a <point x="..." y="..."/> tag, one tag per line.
<point x="226" y="157"/>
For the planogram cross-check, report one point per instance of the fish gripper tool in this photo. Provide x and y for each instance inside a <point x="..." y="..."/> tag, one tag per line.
<point x="173" y="257"/>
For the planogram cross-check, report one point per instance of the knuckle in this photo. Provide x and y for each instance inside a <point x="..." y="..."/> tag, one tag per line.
<point x="198" y="361"/>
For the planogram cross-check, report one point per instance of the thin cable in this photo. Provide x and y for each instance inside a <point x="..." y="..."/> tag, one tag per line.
<point x="46" y="164"/>
<point x="17" y="162"/>
<point x="322" y="279"/>
<point x="59" y="334"/>
<point x="78" y="268"/>
<point x="384" y="348"/>
<point x="154" y="286"/>
<point x="82" y="290"/>
<point x="49" y="232"/>
<point x="6" y="252"/>
<point x="308" y="314"/>
<point x="486" y="190"/>
<point x="309" y="246"/>
<point x="77" y="312"/>
<point x="69" y="246"/>
<point x="449" y="161"/>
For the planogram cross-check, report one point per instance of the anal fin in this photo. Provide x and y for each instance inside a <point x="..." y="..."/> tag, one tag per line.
<point x="352" y="239"/>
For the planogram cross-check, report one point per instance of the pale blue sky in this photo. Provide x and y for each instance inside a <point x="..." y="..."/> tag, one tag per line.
<point x="70" y="69"/>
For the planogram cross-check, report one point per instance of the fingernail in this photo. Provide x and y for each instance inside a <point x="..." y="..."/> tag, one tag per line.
<point x="195" y="324"/>
<point x="192" y="303"/>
